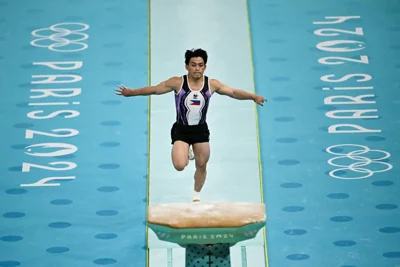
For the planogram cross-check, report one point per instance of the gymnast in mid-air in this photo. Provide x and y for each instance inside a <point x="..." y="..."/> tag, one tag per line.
<point x="190" y="134"/>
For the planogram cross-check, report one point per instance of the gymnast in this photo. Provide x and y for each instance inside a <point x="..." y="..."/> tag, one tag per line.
<point x="190" y="134"/>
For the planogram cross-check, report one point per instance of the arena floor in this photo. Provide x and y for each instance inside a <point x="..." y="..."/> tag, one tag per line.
<point x="80" y="165"/>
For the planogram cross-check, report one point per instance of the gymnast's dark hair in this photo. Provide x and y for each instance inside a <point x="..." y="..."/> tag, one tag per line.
<point x="195" y="53"/>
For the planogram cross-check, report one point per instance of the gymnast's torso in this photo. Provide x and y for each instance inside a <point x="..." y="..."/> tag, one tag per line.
<point x="192" y="105"/>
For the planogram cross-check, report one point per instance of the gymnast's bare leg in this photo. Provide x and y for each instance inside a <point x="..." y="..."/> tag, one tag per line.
<point x="201" y="156"/>
<point x="179" y="155"/>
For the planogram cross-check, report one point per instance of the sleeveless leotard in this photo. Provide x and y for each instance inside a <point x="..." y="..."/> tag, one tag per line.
<point x="191" y="106"/>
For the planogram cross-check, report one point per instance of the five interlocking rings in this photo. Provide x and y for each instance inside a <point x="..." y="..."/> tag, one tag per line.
<point x="63" y="37"/>
<point x="361" y="161"/>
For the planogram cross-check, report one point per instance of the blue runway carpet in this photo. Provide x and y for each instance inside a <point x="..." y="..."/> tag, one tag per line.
<point x="330" y="134"/>
<point x="92" y="148"/>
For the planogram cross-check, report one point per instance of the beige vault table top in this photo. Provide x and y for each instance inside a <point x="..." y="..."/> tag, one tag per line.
<point x="206" y="214"/>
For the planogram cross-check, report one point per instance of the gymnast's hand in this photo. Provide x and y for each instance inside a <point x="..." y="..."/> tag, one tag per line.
<point x="124" y="91"/>
<point x="259" y="100"/>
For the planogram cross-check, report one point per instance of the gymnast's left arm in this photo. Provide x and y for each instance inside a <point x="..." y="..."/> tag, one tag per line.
<point x="239" y="94"/>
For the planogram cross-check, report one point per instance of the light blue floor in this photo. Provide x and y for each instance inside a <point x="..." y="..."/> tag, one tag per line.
<point x="95" y="216"/>
<point x="233" y="170"/>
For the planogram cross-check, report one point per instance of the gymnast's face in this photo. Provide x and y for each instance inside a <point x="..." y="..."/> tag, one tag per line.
<point x="196" y="67"/>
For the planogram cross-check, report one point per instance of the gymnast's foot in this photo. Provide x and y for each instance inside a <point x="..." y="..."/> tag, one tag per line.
<point x="191" y="155"/>
<point x="196" y="196"/>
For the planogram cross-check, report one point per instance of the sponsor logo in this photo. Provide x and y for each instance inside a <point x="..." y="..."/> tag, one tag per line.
<point x="349" y="97"/>
<point x="62" y="37"/>
<point x="359" y="163"/>
<point x="51" y="154"/>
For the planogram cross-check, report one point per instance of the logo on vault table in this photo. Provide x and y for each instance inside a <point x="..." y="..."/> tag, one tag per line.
<point x="358" y="162"/>
<point x="62" y="37"/>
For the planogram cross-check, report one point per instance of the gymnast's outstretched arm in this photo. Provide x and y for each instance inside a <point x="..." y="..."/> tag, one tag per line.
<point x="172" y="84"/>
<point x="239" y="94"/>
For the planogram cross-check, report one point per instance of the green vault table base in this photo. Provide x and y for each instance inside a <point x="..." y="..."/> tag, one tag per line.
<point x="206" y="230"/>
<point x="208" y="255"/>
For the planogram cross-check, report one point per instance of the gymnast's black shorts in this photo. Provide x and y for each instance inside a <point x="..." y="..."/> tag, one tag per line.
<point x="190" y="134"/>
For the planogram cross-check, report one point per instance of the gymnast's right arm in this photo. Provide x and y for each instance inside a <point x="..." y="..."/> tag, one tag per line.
<point x="164" y="87"/>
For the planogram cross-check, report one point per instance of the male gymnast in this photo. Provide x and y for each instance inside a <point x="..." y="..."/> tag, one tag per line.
<point x="192" y="96"/>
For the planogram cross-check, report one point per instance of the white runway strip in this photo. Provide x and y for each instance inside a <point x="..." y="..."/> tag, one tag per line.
<point x="221" y="28"/>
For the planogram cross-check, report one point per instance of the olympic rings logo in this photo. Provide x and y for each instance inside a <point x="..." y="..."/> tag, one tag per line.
<point x="61" y="38"/>
<point x="360" y="162"/>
